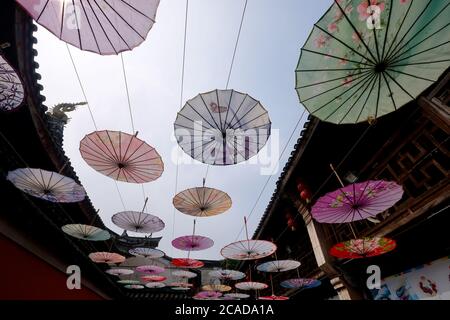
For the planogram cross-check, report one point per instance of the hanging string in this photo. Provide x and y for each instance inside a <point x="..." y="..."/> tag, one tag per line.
<point x="128" y="93"/>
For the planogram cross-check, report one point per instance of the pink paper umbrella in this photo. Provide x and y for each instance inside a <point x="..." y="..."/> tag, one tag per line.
<point x="149" y="269"/>
<point x="121" y="156"/>
<point x="192" y="243"/>
<point x="208" y="294"/>
<point x="106" y="257"/>
<point x="119" y="271"/>
<point x="357" y="201"/>
<point x="100" y="26"/>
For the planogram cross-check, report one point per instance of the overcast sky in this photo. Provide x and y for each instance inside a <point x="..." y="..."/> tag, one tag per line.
<point x="272" y="35"/>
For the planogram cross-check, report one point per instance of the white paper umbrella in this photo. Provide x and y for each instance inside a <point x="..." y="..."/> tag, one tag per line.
<point x="138" y="222"/>
<point x="46" y="185"/>
<point x="278" y="266"/>
<point x="251" y="285"/>
<point x="11" y="87"/>
<point x="248" y="250"/>
<point x="100" y="26"/>
<point x="86" y="232"/>
<point x="155" y="285"/>
<point x="148" y="253"/>
<point x="237" y="295"/>
<point x="119" y="271"/>
<point x="184" y="274"/>
<point x="227" y="274"/>
<point x="222" y="127"/>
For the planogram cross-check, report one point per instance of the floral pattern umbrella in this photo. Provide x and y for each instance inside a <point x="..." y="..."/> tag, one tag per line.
<point x="119" y="271"/>
<point x="47" y="185"/>
<point x="100" y="26"/>
<point x="106" y="257"/>
<point x="192" y="243"/>
<point x="248" y="250"/>
<point x="184" y="274"/>
<point x="297" y="283"/>
<point x="216" y="287"/>
<point x="148" y="253"/>
<point x="357" y="201"/>
<point x="12" y="93"/>
<point x="202" y="202"/>
<point x="222" y="127"/>
<point x="153" y="278"/>
<point x="274" y="298"/>
<point x="86" y="232"/>
<point x="155" y="285"/>
<point x="227" y="274"/>
<point x="363" y="248"/>
<point x="237" y="295"/>
<point x="187" y="263"/>
<point x="278" y="266"/>
<point x="140" y="222"/>
<point x="251" y="285"/>
<point x="121" y="156"/>
<point x="149" y="269"/>
<point x="364" y="59"/>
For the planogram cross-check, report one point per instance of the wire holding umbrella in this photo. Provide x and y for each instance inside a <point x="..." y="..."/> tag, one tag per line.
<point x="121" y="156"/>
<point x="362" y="62"/>
<point x="99" y="26"/>
<point x="222" y="127"/>
<point x="12" y="93"/>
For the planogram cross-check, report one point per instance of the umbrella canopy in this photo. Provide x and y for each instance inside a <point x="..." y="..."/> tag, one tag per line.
<point x="106" y="257"/>
<point x="192" y="243"/>
<point x="149" y="253"/>
<point x="251" y="285"/>
<point x="227" y="274"/>
<point x="222" y="127"/>
<point x="12" y="92"/>
<point x="184" y="274"/>
<point x="86" y="232"/>
<point x="202" y="202"/>
<point x="119" y="271"/>
<point x="153" y="278"/>
<point x="121" y="156"/>
<point x="357" y="201"/>
<point x="155" y="285"/>
<point x="181" y="288"/>
<point x="216" y="287"/>
<point x="138" y="221"/>
<point x="47" y="185"/>
<point x="278" y="266"/>
<point x="237" y="295"/>
<point x="300" y="283"/>
<point x="99" y="26"/>
<point x="248" y="250"/>
<point x="122" y="281"/>
<point x="181" y="284"/>
<point x="150" y="269"/>
<point x="273" y="297"/>
<point x="208" y="294"/>
<point x="363" y="248"/>
<point x="187" y="263"/>
<point x="365" y="59"/>
<point x="134" y="286"/>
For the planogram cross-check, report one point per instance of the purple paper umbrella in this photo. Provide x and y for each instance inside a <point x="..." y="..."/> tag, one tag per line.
<point x="192" y="243"/>
<point x="208" y="294"/>
<point x="149" y="269"/>
<point x="357" y="201"/>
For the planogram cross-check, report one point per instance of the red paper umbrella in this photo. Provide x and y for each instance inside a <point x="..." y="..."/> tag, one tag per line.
<point x="150" y="269"/>
<point x="100" y="26"/>
<point x="192" y="243"/>
<point x="273" y="298"/>
<point x="187" y="263"/>
<point x="363" y="248"/>
<point x="153" y="278"/>
<point x="250" y="285"/>
<point x="121" y="156"/>
<point x="106" y="257"/>
<point x="11" y="88"/>
<point x="138" y="221"/>
<point x="155" y="285"/>
<point x="119" y="271"/>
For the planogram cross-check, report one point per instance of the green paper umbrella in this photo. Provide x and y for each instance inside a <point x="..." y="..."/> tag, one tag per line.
<point x="367" y="58"/>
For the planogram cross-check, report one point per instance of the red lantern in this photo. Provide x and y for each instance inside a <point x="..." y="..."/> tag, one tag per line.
<point x="306" y="195"/>
<point x="300" y="186"/>
<point x="291" y="224"/>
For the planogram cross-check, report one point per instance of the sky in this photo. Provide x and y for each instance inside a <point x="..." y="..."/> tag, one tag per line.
<point x="272" y="34"/>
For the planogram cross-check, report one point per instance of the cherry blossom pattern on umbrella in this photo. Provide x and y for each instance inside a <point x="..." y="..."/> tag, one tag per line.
<point x="121" y="156"/>
<point x="278" y="266"/>
<point x="248" y="250"/>
<point x="202" y="202"/>
<point x="225" y="135"/>
<point x="148" y="253"/>
<point x="106" y="257"/>
<point x="187" y="263"/>
<point x="356" y="201"/>
<point x="192" y="243"/>
<point x="86" y="232"/>
<point x="184" y="274"/>
<point x="297" y="283"/>
<point x="150" y="269"/>
<point x="153" y="278"/>
<point x="47" y="185"/>
<point x="274" y="298"/>
<point x="140" y="222"/>
<point x="227" y="274"/>
<point x="11" y="88"/>
<point x="251" y="285"/>
<point x="363" y="248"/>
<point x="99" y="26"/>
<point x="155" y="285"/>
<point x="134" y="286"/>
<point x="216" y="287"/>
<point x="119" y="271"/>
<point x="237" y="295"/>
